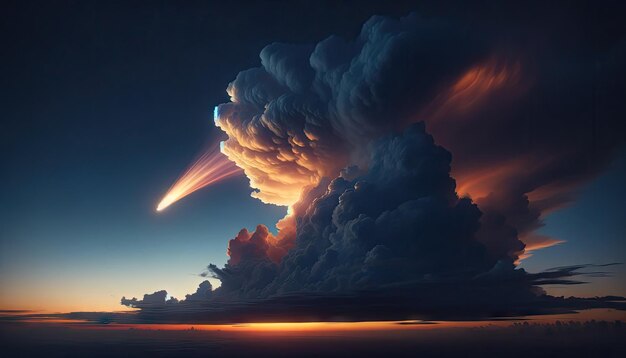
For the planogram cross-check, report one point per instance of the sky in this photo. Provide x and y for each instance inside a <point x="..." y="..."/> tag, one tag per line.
<point x="105" y="104"/>
<point x="593" y="228"/>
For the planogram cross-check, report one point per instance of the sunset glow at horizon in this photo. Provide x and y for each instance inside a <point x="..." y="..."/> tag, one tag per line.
<point x="365" y="178"/>
<point x="334" y="326"/>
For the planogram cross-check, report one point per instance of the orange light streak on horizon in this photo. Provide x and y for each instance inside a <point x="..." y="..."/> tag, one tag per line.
<point x="336" y="327"/>
<point x="295" y="327"/>
<point x="210" y="168"/>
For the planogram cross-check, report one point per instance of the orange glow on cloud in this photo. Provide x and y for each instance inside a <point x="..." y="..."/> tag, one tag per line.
<point x="489" y="83"/>
<point x="479" y="182"/>
<point x="275" y="247"/>
<point x="279" y="165"/>
<point x="479" y="81"/>
<point x="536" y="242"/>
<point x="477" y="85"/>
<point x="210" y="168"/>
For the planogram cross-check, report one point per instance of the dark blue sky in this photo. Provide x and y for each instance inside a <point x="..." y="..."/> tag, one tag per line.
<point x="594" y="228"/>
<point x="105" y="104"/>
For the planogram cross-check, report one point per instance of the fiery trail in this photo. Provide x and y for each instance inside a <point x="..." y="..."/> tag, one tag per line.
<point x="210" y="168"/>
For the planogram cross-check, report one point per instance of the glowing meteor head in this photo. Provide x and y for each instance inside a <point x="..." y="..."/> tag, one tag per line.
<point x="209" y="168"/>
<point x="163" y="204"/>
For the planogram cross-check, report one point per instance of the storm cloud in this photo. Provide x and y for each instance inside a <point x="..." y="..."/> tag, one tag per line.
<point x="418" y="159"/>
<point x="396" y="242"/>
<point x="310" y="111"/>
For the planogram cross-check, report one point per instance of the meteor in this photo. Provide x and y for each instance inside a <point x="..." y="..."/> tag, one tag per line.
<point x="212" y="166"/>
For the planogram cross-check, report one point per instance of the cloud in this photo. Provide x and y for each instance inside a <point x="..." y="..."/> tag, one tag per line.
<point x="149" y="300"/>
<point x="388" y="221"/>
<point x="547" y="133"/>
<point x="401" y="218"/>
<point x="393" y="243"/>
<point x="309" y="111"/>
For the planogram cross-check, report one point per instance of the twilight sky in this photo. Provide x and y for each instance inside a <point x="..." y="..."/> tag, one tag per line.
<point x="106" y="104"/>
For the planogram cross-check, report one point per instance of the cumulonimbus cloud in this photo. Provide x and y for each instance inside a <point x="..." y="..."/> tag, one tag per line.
<point x="382" y="210"/>
<point x="395" y="242"/>
<point x="310" y="111"/>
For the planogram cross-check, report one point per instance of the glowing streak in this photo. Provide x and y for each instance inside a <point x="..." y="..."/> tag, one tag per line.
<point x="210" y="168"/>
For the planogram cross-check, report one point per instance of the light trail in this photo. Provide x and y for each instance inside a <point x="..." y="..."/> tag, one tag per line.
<point x="211" y="167"/>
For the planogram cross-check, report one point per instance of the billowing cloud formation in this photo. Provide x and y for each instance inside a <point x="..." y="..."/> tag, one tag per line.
<point x="399" y="222"/>
<point x="379" y="227"/>
<point x="310" y="111"/>
<point x="393" y="243"/>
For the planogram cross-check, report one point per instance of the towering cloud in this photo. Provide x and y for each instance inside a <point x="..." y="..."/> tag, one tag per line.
<point x="381" y="210"/>
<point x="309" y="111"/>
